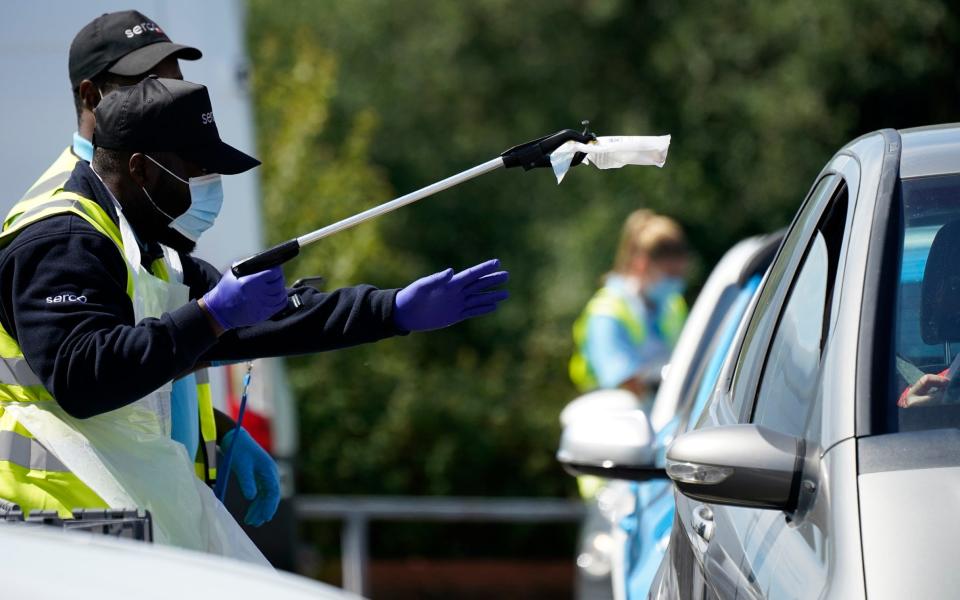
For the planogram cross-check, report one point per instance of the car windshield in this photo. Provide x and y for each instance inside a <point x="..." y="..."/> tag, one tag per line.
<point x="926" y="381"/>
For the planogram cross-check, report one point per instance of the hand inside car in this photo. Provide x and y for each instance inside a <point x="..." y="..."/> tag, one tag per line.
<point x="929" y="389"/>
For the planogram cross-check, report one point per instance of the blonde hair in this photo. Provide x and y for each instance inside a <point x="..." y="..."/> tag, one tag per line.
<point x="646" y="233"/>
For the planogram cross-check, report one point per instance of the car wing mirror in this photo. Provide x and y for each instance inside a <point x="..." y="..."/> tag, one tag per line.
<point x="614" y="444"/>
<point x="738" y="465"/>
<point x="596" y="402"/>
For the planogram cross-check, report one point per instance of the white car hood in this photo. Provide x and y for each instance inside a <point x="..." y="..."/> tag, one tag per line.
<point x="47" y="564"/>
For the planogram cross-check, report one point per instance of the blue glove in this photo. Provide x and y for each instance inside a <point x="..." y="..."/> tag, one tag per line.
<point x="442" y="299"/>
<point x="248" y="300"/>
<point x="257" y="475"/>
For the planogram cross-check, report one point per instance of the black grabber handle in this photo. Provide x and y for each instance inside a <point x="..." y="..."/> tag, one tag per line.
<point x="267" y="259"/>
<point x="536" y="153"/>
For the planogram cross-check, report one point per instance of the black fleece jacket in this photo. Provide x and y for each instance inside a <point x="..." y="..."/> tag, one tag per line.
<point x="63" y="298"/>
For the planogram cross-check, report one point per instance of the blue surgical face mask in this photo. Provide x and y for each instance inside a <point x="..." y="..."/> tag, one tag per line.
<point x="660" y="292"/>
<point x="206" y="200"/>
<point x="82" y="147"/>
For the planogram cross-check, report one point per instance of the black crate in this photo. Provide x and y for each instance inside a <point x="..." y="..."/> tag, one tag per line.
<point x="135" y="524"/>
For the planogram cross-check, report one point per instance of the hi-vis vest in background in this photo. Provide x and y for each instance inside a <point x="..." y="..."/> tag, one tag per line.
<point x="30" y="474"/>
<point x="611" y="303"/>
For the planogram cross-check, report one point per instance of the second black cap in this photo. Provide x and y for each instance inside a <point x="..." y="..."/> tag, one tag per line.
<point x="167" y="115"/>
<point x="123" y="43"/>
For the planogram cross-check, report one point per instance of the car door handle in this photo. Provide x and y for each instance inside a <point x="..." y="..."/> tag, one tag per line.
<point x="703" y="522"/>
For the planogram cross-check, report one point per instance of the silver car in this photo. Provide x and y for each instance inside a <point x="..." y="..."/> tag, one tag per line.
<point x="626" y="530"/>
<point x="827" y="462"/>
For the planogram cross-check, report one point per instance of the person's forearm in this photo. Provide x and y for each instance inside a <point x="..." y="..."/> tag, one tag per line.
<point x="88" y="348"/>
<point x="100" y="370"/>
<point x="345" y="317"/>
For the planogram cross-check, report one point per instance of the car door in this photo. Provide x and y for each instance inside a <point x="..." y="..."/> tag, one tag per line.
<point x="773" y="379"/>
<point x="658" y="516"/>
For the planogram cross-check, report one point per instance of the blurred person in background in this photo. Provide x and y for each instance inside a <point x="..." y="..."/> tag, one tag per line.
<point x="626" y="332"/>
<point x="624" y="338"/>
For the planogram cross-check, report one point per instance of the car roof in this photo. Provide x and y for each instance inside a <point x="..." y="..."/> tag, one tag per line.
<point x="932" y="150"/>
<point x="925" y="151"/>
<point x="46" y="563"/>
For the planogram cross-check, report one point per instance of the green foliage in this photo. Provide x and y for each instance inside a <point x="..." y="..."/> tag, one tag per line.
<point x="358" y="101"/>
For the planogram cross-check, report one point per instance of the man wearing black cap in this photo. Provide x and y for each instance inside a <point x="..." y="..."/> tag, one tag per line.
<point x="101" y="306"/>
<point x="115" y="49"/>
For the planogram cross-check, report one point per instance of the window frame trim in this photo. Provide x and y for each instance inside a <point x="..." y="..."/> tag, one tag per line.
<point x="781" y="296"/>
<point x="875" y="346"/>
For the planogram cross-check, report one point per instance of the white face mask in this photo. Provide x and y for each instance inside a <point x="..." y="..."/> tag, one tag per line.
<point x="206" y="200"/>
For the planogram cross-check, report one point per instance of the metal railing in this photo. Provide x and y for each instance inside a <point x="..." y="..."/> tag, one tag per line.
<point x="356" y="512"/>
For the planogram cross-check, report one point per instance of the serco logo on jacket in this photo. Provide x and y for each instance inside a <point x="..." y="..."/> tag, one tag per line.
<point x="66" y="298"/>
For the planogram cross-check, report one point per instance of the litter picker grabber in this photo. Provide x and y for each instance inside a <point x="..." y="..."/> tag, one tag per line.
<point x="531" y="155"/>
<point x="560" y="151"/>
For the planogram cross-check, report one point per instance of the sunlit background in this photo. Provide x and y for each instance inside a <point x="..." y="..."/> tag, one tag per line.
<point x="350" y="103"/>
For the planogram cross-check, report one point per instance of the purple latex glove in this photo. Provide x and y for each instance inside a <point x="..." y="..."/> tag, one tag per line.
<point x="241" y="301"/>
<point x="445" y="298"/>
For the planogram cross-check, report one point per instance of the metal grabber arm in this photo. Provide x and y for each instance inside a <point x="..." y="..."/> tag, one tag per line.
<point x="531" y="155"/>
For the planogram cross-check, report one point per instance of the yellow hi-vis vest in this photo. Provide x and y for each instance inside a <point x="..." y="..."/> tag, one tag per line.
<point x="31" y="475"/>
<point x="610" y="303"/>
<point x="54" y="178"/>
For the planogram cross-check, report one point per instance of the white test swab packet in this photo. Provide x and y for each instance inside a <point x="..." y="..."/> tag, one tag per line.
<point x="613" y="152"/>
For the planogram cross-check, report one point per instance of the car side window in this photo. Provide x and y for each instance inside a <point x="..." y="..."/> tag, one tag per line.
<point x="789" y="396"/>
<point x="763" y="317"/>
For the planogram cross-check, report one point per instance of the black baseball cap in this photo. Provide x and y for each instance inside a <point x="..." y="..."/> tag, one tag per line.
<point x="123" y="43"/>
<point x="167" y="115"/>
